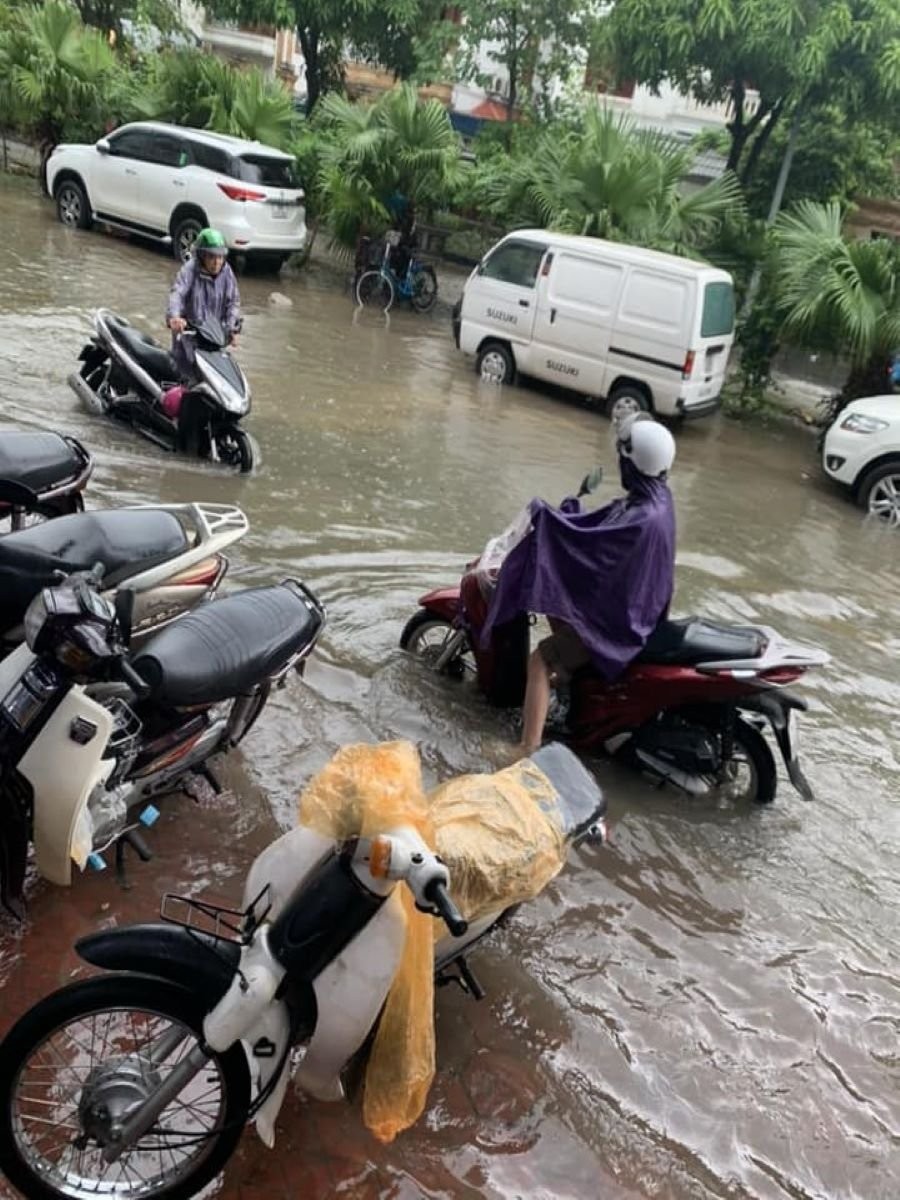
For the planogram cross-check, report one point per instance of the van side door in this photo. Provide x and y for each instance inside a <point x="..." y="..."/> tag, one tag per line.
<point x="577" y="301"/>
<point x="501" y="297"/>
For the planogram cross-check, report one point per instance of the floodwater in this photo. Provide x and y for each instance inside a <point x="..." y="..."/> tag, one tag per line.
<point x="710" y="1008"/>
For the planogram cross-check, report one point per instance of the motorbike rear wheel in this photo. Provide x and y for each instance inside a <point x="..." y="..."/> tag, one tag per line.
<point x="751" y="759"/>
<point x="81" y="1060"/>
<point x="425" y="635"/>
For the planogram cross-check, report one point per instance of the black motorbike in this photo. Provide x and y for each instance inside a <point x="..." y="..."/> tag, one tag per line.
<point x="129" y="376"/>
<point x="42" y="475"/>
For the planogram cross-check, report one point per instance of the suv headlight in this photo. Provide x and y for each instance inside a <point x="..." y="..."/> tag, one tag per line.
<point x="858" y="423"/>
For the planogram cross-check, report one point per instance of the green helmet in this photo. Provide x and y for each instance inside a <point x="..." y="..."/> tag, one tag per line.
<point x="210" y="241"/>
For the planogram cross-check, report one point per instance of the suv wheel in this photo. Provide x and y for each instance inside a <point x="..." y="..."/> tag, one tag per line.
<point x="72" y="205"/>
<point x="879" y="492"/>
<point x="183" y="237"/>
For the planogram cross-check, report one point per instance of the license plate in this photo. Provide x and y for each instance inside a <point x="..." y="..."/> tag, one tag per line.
<point x="280" y="212"/>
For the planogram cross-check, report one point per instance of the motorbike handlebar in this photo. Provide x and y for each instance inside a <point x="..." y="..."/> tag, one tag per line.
<point x="436" y="893"/>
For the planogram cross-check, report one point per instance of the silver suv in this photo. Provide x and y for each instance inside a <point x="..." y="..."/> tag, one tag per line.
<point x="166" y="182"/>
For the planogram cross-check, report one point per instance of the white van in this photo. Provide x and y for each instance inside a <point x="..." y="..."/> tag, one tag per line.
<point x="639" y="329"/>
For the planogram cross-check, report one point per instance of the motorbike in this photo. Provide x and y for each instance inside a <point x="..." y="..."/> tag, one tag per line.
<point x="130" y="377"/>
<point x="200" y="1024"/>
<point x="169" y="556"/>
<point x="90" y="733"/>
<point x="42" y="476"/>
<point x="689" y="711"/>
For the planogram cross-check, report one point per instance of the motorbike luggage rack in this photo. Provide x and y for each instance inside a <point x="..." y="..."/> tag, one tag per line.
<point x="217" y="921"/>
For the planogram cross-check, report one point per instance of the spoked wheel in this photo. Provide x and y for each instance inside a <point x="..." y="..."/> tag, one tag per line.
<point x="424" y="289"/>
<point x="84" y="1062"/>
<point x="374" y="290"/>
<point x="429" y="637"/>
<point x="749" y="776"/>
<point x="233" y="447"/>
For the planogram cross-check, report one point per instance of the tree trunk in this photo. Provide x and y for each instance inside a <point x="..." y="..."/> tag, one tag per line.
<point x="309" y="44"/>
<point x="759" y="143"/>
<point x="512" y="64"/>
<point x="735" y="128"/>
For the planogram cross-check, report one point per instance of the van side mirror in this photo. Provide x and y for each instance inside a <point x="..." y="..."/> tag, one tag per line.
<point x="102" y="147"/>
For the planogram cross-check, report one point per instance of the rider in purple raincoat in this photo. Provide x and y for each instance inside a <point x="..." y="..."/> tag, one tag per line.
<point x="605" y="578"/>
<point x="204" y="287"/>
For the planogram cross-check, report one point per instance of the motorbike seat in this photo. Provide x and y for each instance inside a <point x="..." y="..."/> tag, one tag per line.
<point x="580" y="801"/>
<point x="226" y="647"/>
<point x="126" y="541"/>
<point x="692" y="640"/>
<point x="40" y="461"/>
<point x="145" y="350"/>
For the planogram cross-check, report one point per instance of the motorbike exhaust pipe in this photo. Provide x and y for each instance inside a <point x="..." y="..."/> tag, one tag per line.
<point x="86" y="395"/>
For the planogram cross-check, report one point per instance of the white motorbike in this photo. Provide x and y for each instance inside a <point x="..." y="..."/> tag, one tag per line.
<point x="169" y="556"/>
<point x="90" y="735"/>
<point x="155" y="1106"/>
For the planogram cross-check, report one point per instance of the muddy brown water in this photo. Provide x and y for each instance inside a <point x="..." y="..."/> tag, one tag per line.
<point x="711" y="1007"/>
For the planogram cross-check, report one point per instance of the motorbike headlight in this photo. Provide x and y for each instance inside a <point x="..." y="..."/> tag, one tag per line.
<point x="858" y="423"/>
<point x="28" y="698"/>
<point x="232" y="400"/>
<point x="36" y="616"/>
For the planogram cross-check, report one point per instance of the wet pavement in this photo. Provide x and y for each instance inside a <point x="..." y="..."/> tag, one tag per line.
<point x="707" y="1010"/>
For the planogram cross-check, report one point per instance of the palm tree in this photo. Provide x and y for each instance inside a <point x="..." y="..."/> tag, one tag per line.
<point x="370" y="152"/>
<point x="838" y="294"/>
<point x="609" y="179"/>
<point x="60" y="76"/>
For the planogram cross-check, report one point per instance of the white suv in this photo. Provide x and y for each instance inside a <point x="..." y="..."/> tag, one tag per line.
<point x="167" y="182"/>
<point x="862" y="451"/>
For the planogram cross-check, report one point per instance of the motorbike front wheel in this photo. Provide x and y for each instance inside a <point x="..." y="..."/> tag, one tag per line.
<point x="233" y="447"/>
<point x="84" y="1060"/>
<point x="427" y="636"/>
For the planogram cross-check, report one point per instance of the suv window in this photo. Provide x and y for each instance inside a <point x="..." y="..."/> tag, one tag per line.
<point x="166" y="150"/>
<point x="515" y="262"/>
<point x="269" y="172"/>
<point x="133" y="143"/>
<point x="212" y="158"/>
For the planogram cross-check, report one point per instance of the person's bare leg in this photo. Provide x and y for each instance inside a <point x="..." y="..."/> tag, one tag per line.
<point x="537" y="703"/>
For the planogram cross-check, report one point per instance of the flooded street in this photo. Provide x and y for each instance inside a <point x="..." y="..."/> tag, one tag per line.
<point x="710" y="1008"/>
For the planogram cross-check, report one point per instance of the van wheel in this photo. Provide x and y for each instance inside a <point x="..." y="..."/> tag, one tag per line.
<point x="625" y="402"/>
<point x="495" y="363"/>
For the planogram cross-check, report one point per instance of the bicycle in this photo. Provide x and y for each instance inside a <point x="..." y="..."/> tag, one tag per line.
<point x="380" y="286"/>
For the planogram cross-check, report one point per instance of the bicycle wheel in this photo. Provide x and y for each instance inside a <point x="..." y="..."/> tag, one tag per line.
<point x="374" y="290"/>
<point x="424" y="289"/>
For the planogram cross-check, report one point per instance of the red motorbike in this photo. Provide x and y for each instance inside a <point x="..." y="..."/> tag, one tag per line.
<point x="690" y="710"/>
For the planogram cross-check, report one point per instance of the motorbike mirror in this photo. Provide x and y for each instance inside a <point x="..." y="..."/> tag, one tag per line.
<point x="125" y="612"/>
<point x="591" y="482"/>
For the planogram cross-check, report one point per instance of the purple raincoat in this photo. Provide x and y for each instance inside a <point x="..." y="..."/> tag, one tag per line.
<point x="195" y="295"/>
<point x="609" y="573"/>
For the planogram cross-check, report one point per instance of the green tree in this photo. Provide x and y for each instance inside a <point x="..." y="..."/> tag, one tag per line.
<point x="532" y="41"/>
<point x="609" y="179"/>
<point x="190" y="88"/>
<point x="60" y="78"/>
<point x="325" y="28"/>
<point x="838" y="294"/>
<point x="371" y="151"/>
<point x="796" y="54"/>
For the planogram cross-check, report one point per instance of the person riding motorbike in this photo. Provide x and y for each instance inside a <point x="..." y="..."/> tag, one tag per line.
<point x="604" y="578"/>
<point x="204" y="287"/>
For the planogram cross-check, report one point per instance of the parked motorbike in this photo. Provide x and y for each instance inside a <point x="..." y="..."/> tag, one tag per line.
<point x="156" y="1104"/>
<point x="690" y="710"/>
<point x="129" y="376"/>
<point x="170" y="556"/>
<point x="90" y="734"/>
<point x="42" y="475"/>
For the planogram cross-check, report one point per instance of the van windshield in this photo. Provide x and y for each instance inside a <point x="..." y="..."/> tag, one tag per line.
<point x="718" y="310"/>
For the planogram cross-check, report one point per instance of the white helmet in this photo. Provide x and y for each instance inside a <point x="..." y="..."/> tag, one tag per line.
<point x="648" y="444"/>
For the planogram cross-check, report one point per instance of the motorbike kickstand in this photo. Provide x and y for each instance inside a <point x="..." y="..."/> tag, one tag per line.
<point x="133" y="839"/>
